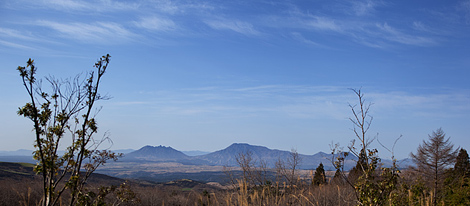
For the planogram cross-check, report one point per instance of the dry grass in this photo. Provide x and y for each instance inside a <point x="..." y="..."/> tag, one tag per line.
<point x="25" y="191"/>
<point x="28" y="192"/>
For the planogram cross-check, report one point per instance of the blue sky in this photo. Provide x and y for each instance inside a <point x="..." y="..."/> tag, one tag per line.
<point x="200" y="75"/>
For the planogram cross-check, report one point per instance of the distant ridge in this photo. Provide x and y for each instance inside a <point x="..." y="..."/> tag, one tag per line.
<point x="195" y="153"/>
<point x="225" y="157"/>
<point x="228" y="155"/>
<point x="20" y="152"/>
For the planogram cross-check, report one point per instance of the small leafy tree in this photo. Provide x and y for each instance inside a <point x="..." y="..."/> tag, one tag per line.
<point x="67" y="111"/>
<point x="432" y="158"/>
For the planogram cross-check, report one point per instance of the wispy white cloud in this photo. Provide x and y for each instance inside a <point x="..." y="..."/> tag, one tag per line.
<point x="370" y="42"/>
<point x="21" y="39"/>
<point x="166" y="6"/>
<point x="156" y="24"/>
<point x="12" y="33"/>
<point x="361" y="8"/>
<point x="256" y="88"/>
<point x="82" y="5"/>
<point x="15" y="45"/>
<point x="294" y="101"/>
<point x="323" y="23"/>
<point x="420" y="26"/>
<point x="394" y="35"/>
<point x="103" y="32"/>
<point x="174" y="7"/>
<point x="319" y="109"/>
<point x="465" y="7"/>
<point x="437" y="105"/>
<point x="132" y="103"/>
<point x="308" y="102"/>
<point x="371" y="35"/>
<point x="201" y="89"/>
<point x="356" y="8"/>
<point x="160" y="6"/>
<point x="300" y="38"/>
<point x="118" y="5"/>
<point x="65" y="4"/>
<point x="363" y="29"/>
<point x="233" y="25"/>
<point x="427" y="29"/>
<point x="305" y="20"/>
<point x="281" y="90"/>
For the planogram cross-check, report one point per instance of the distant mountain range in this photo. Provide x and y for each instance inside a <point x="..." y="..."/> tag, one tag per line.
<point x="25" y="152"/>
<point x="224" y="157"/>
<point x="20" y="152"/>
<point x="195" y="152"/>
<point x="227" y="157"/>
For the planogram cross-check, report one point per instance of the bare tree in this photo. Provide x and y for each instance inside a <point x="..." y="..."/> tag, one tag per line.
<point x="247" y="165"/>
<point x="361" y="120"/>
<point x="432" y="158"/>
<point x="253" y="172"/>
<point x="371" y="187"/>
<point x="288" y="170"/>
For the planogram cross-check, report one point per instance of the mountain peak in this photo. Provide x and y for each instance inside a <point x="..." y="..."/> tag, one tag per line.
<point x="157" y="153"/>
<point x="244" y="145"/>
<point x="150" y="146"/>
<point x="239" y="144"/>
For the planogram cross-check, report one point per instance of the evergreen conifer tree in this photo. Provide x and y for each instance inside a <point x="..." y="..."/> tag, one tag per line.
<point x="457" y="183"/>
<point x="359" y="169"/>
<point x="338" y="178"/>
<point x="462" y="164"/>
<point x="319" y="178"/>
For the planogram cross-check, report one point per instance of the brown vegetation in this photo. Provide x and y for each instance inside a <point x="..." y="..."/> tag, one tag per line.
<point x="259" y="186"/>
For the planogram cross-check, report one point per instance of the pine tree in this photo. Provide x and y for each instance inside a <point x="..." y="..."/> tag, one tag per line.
<point x="319" y="178"/>
<point x="338" y="178"/>
<point x="462" y="164"/>
<point x="457" y="183"/>
<point x="359" y="169"/>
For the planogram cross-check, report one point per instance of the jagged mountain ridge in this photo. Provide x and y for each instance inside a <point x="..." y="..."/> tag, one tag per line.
<point x="224" y="157"/>
<point x="227" y="156"/>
